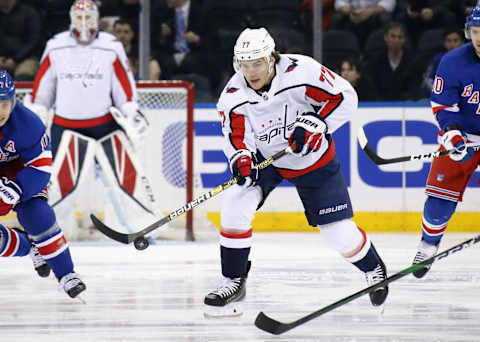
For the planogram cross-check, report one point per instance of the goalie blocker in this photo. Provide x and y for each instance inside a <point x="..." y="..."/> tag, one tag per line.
<point x="75" y="159"/>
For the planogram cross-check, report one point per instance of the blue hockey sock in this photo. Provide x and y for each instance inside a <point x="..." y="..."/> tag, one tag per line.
<point x="436" y="214"/>
<point x="13" y="242"/>
<point x="369" y="261"/>
<point x="234" y="261"/>
<point x="38" y="219"/>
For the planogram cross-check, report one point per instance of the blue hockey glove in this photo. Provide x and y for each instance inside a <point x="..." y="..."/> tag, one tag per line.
<point x="243" y="168"/>
<point x="307" y="134"/>
<point x="454" y="138"/>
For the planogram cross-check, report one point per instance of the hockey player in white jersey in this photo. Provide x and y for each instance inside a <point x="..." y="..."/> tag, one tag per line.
<point x="274" y="101"/>
<point x="84" y="75"/>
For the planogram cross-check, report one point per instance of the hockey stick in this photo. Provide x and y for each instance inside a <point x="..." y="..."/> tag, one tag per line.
<point x="362" y="140"/>
<point x="138" y="237"/>
<point x="276" y="327"/>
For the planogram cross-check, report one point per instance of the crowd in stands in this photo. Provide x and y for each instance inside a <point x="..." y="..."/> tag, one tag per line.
<point x="388" y="49"/>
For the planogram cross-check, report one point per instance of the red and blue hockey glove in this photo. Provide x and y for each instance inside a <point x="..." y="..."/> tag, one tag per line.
<point x="243" y="168"/>
<point x="10" y="194"/>
<point x="307" y="134"/>
<point x="455" y="139"/>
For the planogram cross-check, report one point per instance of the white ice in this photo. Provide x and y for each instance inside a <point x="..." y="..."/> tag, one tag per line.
<point x="157" y="294"/>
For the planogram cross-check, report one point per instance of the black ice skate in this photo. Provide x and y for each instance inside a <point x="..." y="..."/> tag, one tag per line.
<point x="378" y="274"/>
<point x="230" y="291"/>
<point x="71" y="284"/>
<point x="39" y="263"/>
<point x="425" y="251"/>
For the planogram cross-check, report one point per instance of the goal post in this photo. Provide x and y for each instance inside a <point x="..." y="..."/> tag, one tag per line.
<point x="167" y="152"/>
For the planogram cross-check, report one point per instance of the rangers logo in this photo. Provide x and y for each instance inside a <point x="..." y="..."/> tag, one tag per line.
<point x="10" y="146"/>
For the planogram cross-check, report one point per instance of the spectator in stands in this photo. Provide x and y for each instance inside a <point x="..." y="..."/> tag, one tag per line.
<point x="124" y="33"/>
<point x="352" y="71"/>
<point x="452" y="38"/>
<point x="306" y="8"/>
<point x="362" y="17"/>
<point x="179" y="38"/>
<point x="421" y="15"/>
<point x="20" y="38"/>
<point x="128" y="10"/>
<point x="391" y="68"/>
<point x="179" y="44"/>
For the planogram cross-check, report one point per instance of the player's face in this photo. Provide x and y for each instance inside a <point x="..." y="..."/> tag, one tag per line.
<point x="475" y="37"/>
<point x="256" y="72"/>
<point x="5" y="110"/>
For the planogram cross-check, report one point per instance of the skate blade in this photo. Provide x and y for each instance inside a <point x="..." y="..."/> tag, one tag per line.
<point x="231" y="310"/>
<point x="80" y="299"/>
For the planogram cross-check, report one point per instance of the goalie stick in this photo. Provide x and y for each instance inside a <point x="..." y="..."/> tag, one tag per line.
<point x="275" y="327"/>
<point x="362" y="140"/>
<point x="128" y="238"/>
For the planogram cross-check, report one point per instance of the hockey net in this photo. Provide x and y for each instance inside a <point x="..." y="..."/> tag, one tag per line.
<point x="167" y="159"/>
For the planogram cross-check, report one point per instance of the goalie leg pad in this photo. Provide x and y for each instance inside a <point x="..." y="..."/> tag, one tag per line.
<point x="75" y="155"/>
<point x="13" y="242"/>
<point x="121" y="167"/>
<point x="436" y="214"/>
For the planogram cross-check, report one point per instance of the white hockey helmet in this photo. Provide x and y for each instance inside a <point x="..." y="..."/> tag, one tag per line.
<point x="84" y="20"/>
<point x="253" y="44"/>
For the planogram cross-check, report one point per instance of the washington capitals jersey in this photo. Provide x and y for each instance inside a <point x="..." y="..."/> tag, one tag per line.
<point x="264" y="121"/>
<point x="83" y="81"/>
<point x="23" y="139"/>
<point x="455" y="96"/>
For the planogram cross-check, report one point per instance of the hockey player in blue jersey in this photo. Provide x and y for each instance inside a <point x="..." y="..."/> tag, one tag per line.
<point x="455" y="100"/>
<point x="25" y="166"/>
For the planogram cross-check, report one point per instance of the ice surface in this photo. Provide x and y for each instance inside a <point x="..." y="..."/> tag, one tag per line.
<point x="157" y="294"/>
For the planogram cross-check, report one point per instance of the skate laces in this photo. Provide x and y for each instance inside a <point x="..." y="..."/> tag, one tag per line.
<point x="69" y="281"/>
<point x="36" y="257"/>
<point x="375" y="276"/>
<point x="228" y="287"/>
<point x="425" y="251"/>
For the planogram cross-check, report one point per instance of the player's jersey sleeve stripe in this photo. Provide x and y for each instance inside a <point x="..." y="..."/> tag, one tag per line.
<point x="122" y="77"/>
<point x="320" y="95"/>
<point x="41" y="71"/>
<point x="436" y="107"/>
<point x="237" y="136"/>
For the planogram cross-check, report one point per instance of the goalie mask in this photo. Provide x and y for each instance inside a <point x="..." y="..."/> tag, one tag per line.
<point x="473" y="19"/>
<point x="84" y="20"/>
<point x="7" y="94"/>
<point x="253" y="44"/>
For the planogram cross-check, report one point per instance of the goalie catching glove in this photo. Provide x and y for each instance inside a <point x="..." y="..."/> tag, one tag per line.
<point x="455" y="139"/>
<point x="243" y="168"/>
<point x="307" y="134"/>
<point x="133" y="122"/>
<point x="10" y="194"/>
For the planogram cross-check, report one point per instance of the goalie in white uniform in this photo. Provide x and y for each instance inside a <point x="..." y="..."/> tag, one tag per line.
<point x="84" y="73"/>
<point x="274" y="101"/>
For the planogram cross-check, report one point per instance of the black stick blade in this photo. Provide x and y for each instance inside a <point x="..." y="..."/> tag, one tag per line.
<point x="112" y="234"/>
<point x="270" y="325"/>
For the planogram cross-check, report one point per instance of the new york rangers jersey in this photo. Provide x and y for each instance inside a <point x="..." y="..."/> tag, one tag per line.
<point x="25" y="152"/>
<point x="264" y="121"/>
<point x="455" y="96"/>
<point x="83" y="80"/>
